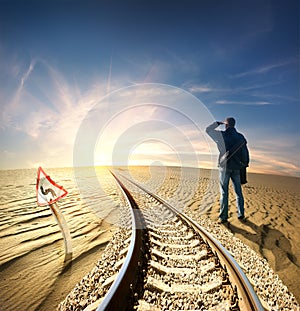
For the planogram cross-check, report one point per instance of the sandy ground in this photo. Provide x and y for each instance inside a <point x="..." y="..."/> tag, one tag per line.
<point x="272" y="212"/>
<point x="272" y="230"/>
<point x="272" y="223"/>
<point x="33" y="273"/>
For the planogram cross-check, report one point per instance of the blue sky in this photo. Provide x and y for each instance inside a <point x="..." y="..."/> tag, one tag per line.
<point x="60" y="60"/>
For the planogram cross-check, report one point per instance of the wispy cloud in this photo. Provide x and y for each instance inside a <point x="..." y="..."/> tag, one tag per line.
<point x="268" y="163"/>
<point x="50" y="126"/>
<point x="266" y="68"/>
<point x="230" y="90"/>
<point x="200" y="88"/>
<point x="243" y="103"/>
<point x="49" y="129"/>
<point x="149" y="131"/>
<point x="274" y="154"/>
<point x="26" y="75"/>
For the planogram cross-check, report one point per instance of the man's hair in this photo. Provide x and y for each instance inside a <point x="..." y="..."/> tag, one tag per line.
<point x="230" y="121"/>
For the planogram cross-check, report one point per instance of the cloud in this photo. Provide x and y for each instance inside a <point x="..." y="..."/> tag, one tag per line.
<point x="153" y="139"/>
<point x="266" y="68"/>
<point x="43" y="114"/>
<point x="26" y="75"/>
<point x="266" y="162"/>
<point x="232" y="91"/>
<point x="48" y="128"/>
<point x="200" y="88"/>
<point x="243" y="103"/>
<point x="274" y="155"/>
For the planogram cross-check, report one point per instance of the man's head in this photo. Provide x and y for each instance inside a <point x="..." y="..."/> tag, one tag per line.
<point x="229" y="122"/>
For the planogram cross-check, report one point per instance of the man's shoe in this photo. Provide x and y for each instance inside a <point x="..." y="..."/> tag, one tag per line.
<point x="222" y="221"/>
<point x="242" y="218"/>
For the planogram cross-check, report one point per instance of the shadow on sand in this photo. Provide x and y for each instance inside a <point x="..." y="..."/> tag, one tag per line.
<point x="268" y="239"/>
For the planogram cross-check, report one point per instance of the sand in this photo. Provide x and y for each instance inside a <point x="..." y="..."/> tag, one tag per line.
<point x="33" y="274"/>
<point x="32" y="271"/>
<point x="272" y="212"/>
<point x="273" y="223"/>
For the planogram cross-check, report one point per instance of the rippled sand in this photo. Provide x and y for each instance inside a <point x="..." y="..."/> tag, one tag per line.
<point x="271" y="206"/>
<point x="32" y="269"/>
<point x="33" y="273"/>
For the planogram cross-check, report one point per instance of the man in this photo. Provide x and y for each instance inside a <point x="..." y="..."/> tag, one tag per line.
<point x="233" y="156"/>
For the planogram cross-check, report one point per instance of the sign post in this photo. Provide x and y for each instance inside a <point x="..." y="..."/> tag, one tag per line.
<point x="49" y="192"/>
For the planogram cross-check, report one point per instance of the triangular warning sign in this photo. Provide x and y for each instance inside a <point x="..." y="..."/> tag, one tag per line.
<point x="47" y="190"/>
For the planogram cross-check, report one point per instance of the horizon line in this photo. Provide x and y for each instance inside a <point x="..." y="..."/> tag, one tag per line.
<point x="250" y="171"/>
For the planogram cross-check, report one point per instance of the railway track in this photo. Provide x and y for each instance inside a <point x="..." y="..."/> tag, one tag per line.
<point x="172" y="263"/>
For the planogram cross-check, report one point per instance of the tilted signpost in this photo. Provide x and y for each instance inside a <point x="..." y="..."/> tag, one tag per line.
<point x="49" y="192"/>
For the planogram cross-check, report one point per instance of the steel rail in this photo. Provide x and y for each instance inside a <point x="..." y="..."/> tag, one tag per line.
<point x="248" y="300"/>
<point x="118" y="296"/>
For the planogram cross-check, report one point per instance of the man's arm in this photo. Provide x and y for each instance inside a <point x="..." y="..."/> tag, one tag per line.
<point x="213" y="133"/>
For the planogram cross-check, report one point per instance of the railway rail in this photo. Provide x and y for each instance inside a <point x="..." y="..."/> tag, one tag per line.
<point x="172" y="263"/>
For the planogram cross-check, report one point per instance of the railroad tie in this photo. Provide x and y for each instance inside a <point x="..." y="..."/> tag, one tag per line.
<point x="189" y="236"/>
<point x="161" y="268"/>
<point x="197" y="256"/>
<point x="193" y="243"/>
<point x="158" y="285"/>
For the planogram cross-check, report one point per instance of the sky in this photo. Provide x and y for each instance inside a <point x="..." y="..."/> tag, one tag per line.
<point x="137" y="82"/>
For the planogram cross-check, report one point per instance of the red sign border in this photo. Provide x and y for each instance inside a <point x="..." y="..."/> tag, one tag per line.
<point x="40" y="170"/>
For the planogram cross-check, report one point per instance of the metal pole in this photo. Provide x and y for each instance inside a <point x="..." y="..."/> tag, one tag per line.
<point x="64" y="229"/>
